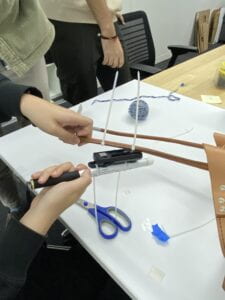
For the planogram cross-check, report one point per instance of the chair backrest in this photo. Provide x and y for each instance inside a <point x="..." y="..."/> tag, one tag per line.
<point x="137" y="38"/>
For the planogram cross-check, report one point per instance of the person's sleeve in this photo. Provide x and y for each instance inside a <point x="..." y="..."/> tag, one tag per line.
<point x="18" y="247"/>
<point x="9" y="10"/>
<point x="10" y="97"/>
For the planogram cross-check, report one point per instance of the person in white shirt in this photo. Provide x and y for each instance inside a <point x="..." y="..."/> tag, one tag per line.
<point x="86" y="46"/>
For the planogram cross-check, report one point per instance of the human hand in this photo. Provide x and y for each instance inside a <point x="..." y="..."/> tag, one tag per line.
<point x="120" y="18"/>
<point x="58" y="121"/>
<point x="52" y="201"/>
<point x="113" y="53"/>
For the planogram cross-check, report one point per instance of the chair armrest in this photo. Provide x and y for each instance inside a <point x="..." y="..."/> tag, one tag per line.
<point x="180" y="49"/>
<point x="145" y="68"/>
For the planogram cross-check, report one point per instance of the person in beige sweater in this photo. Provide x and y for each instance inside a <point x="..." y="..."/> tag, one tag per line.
<point x="86" y="46"/>
<point x="25" y="36"/>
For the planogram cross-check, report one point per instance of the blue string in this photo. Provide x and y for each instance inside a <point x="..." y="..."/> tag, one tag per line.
<point x="170" y="97"/>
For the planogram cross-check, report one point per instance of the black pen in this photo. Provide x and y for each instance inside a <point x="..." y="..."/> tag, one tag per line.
<point x="68" y="176"/>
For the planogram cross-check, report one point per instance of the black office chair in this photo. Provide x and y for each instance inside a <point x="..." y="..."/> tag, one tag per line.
<point x="139" y="46"/>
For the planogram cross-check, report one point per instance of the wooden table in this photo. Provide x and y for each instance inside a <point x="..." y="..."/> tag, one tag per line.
<point x="198" y="74"/>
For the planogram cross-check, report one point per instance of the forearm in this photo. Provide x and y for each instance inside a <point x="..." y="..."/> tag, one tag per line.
<point x="39" y="220"/>
<point x="10" y="97"/>
<point x="28" y="105"/>
<point x="103" y="17"/>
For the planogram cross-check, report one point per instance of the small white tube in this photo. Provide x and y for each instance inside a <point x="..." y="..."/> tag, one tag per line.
<point x="145" y="162"/>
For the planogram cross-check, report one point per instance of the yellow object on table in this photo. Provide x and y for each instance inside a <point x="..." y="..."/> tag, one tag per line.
<point x="221" y="76"/>
<point x="198" y="74"/>
<point x="211" y="99"/>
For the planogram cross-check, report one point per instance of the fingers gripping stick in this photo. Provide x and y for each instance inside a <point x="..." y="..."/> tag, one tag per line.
<point x="34" y="184"/>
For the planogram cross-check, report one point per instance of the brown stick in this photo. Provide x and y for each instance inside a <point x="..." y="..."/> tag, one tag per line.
<point x="182" y="160"/>
<point x="151" y="137"/>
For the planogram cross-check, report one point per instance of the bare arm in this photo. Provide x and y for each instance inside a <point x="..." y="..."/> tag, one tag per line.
<point x="112" y="49"/>
<point x="51" y="202"/>
<point x="103" y="17"/>
<point x="63" y="123"/>
<point x="21" y="241"/>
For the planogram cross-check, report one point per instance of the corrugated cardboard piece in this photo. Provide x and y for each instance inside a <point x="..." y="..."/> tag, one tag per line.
<point x="214" y="21"/>
<point x="202" y="30"/>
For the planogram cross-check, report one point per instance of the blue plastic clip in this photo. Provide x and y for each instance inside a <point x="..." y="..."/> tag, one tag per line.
<point x="159" y="233"/>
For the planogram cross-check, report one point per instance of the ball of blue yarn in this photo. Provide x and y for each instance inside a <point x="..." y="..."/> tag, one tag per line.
<point x="143" y="110"/>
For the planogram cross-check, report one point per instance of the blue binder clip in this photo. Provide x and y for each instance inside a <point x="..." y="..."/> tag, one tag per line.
<point x="158" y="233"/>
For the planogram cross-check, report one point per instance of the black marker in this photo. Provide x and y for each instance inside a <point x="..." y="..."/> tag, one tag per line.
<point x="98" y="171"/>
<point x="68" y="176"/>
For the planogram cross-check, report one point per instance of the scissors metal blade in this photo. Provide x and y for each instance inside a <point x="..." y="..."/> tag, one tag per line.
<point x="85" y="204"/>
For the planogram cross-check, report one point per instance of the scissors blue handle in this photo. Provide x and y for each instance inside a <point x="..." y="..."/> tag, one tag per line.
<point x="105" y="217"/>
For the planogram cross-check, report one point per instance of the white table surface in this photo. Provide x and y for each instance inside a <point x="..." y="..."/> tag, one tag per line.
<point x="191" y="266"/>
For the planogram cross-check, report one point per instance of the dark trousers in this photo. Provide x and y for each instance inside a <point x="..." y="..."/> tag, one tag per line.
<point x="78" y="55"/>
<point x="60" y="275"/>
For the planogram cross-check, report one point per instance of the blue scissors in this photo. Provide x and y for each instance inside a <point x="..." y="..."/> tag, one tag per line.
<point x="108" y="216"/>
